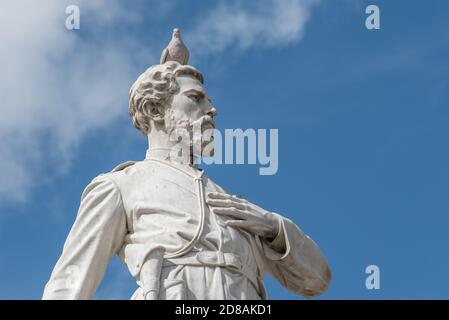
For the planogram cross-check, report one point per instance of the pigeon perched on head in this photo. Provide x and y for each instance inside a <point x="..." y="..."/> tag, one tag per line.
<point x="176" y="50"/>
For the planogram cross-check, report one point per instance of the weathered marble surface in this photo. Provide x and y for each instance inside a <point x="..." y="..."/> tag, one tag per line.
<point x="179" y="233"/>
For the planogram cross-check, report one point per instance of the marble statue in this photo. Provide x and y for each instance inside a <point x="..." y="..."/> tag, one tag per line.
<point x="179" y="233"/>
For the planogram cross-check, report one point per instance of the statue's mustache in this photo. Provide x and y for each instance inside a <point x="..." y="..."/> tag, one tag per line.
<point x="204" y="120"/>
<point x="193" y="126"/>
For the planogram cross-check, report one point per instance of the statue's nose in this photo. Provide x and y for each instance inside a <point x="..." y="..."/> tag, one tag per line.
<point x="212" y="112"/>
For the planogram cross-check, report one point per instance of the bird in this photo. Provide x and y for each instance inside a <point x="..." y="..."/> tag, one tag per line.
<point x="175" y="50"/>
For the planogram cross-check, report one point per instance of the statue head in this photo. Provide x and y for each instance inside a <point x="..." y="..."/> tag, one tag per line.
<point x="169" y="100"/>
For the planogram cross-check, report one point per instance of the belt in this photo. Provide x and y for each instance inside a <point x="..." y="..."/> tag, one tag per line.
<point x="208" y="258"/>
<point x="216" y="259"/>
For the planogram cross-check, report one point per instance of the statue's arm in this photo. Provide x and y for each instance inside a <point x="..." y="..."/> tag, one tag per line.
<point x="95" y="237"/>
<point x="295" y="260"/>
<point x="285" y="251"/>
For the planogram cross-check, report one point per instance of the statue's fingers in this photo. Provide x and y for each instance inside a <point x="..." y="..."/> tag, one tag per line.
<point x="227" y="203"/>
<point x="217" y="195"/>
<point x="230" y="212"/>
<point x="238" y="224"/>
<point x="239" y="198"/>
<point x="224" y="196"/>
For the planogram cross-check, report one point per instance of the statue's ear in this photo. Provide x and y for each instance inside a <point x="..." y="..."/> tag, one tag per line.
<point x="156" y="112"/>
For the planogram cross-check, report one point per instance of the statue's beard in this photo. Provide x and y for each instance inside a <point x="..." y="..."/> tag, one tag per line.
<point x="195" y="137"/>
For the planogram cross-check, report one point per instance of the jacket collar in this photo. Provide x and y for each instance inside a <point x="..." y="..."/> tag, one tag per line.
<point x="163" y="154"/>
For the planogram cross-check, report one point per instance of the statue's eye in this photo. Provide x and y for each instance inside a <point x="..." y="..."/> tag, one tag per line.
<point x="195" y="96"/>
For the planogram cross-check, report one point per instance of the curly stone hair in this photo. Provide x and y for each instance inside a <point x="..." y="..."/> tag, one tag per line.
<point x="154" y="88"/>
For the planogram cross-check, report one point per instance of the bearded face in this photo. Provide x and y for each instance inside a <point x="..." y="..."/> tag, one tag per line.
<point x="189" y="119"/>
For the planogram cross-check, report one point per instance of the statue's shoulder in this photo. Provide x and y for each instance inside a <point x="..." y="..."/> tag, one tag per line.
<point x="120" y="170"/>
<point x="129" y="171"/>
<point x="124" y="165"/>
<point x="121" y="173"/>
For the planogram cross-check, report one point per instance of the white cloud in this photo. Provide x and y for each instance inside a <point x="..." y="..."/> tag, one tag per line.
<point x="58" y="85"/>
<point x="245" y="24"/>
<point x="55" y="85"/>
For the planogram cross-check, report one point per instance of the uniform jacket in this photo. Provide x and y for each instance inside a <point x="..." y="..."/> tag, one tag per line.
<point x="157" y="205"/>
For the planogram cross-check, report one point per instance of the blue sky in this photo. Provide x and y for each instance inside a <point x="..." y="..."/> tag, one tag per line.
<point x="362" y="116"/>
